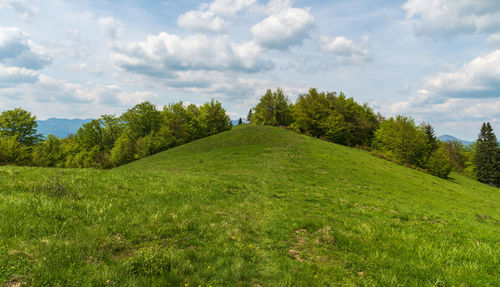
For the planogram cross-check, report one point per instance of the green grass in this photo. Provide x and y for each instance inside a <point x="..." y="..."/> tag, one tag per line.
<point x="256" y="206"/>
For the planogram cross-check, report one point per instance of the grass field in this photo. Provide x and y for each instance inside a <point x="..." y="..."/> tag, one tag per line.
<point x="255" y="206"/>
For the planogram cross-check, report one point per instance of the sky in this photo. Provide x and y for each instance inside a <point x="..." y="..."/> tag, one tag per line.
<point x="437" y="61"/>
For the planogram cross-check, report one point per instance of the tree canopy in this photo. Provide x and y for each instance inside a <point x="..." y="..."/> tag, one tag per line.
<point x="487" y="157"/>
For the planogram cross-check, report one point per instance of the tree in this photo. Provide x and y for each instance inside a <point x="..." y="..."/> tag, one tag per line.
<point x="457" y="154"/>
<point x="48" y="152"/>
<point x="438" y="163"/>
<point x="401" y="140"/>
<point x="273" y="109"/>
<point x="335" y="118"/>
<point x="91" y="135"/>
<point x="123" y="151"/>
<point x="487" y="156"/>
<point x="179" y="124"/>
<point x="432" y="140"/>
<point x="249" y="116"/>
<point x="214" y="118"/>
<point x="142" y="119"/>
<point x="20" y="124"/>
<point x="240" y="121"/>
<point x="112" y="128"/>
<point x="12" y="151"/>
<point x="310" y="112"/>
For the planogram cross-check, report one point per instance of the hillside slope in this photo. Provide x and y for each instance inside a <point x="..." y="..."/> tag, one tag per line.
<point x="255" y="206"/>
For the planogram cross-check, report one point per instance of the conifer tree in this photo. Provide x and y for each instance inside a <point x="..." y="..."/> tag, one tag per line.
<point x="240" y="121"/>
<point x="487" y="156"/>
<point x="432" y="140"/>
<point x="250" y="114"/>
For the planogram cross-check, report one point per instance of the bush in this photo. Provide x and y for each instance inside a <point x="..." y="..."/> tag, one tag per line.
<point x="401" y="140"/>
<point x="336" y="118"/>
<point x="438" y="163"/>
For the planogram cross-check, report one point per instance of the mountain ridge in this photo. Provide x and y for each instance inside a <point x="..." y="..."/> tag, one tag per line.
<point x="447" y="138"/>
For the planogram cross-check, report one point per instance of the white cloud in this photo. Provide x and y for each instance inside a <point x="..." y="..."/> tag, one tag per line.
<point x="444" y="18"/>
<point x="95" y="69"/>
<point x="110" y="27"/>
<point x="469" y="95"/>
<point x="14" y="75"/>
<point x="476" y="80"/>
<point x="284" y="29"/>
<point x="25" y="9"/>
<point x="164" y="54"/>
<point x="40" y="88"/>
<point x="16" y="49"/>
<point x="205" y="21"/>
<point x="229" y="7"/>
<point x="209" y="17"/>
<point x="272" y="7"/>
<point x="345" y="50"/>
<point x="479" y="78"/>
<point x="494" y="40"/>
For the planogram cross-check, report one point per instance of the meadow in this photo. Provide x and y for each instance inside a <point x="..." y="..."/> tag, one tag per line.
<point x="254" y="206"/>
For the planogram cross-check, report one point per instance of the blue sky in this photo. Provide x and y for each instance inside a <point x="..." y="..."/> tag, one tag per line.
<point x="435" y="60"/>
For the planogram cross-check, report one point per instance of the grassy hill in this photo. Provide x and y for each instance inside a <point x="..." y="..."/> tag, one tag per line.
<point x="255" y="206"/>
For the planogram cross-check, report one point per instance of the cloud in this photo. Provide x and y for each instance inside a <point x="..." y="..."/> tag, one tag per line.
<point x="494" y="40"/>
<point x="346" y="51"/>
<point x="165" y="54"/>
<point x="203" y="21"/>
<point x="469" y="95"/>
<point x="209" y="17"/>
<point x="110" y="27"/>
<point x="445" y="18"/>
<point x="41" y="88"/>
<point x="479" y="78"/>
<point x="14" y="75"/>
<point x="229" y="7"/>
<point x="24" y="9"/>
<point x="272" y="7"/>
<point x="16" y="49"/>
<point x="284" y="29"/>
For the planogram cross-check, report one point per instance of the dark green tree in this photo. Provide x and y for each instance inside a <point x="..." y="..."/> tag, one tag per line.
<point x="487" y="165"/>
<point x="240" y="121"/>
<point x="432" y="140"/>
<point x="249" y="116"/>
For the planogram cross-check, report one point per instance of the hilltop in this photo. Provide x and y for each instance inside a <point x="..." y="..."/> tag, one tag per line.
<point x="254" y="206"/>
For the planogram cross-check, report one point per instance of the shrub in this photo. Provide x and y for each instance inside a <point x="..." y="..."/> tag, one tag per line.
<point x="438" y="163"/>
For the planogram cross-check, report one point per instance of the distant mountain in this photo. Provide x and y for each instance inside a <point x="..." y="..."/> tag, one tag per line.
<point x="446" y="138"/>
<point x="60" y="127"/>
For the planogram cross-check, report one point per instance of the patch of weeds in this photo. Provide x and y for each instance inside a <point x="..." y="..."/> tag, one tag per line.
<point x="484" y="218"/>
<point x="150" y="262"/>
<point x="55" y="186"/>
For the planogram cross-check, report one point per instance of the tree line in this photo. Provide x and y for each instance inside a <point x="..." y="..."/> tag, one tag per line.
<point x="341" y="120"/>
<point x="109" y="141"/>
